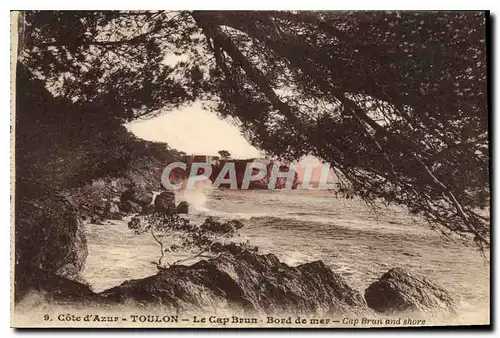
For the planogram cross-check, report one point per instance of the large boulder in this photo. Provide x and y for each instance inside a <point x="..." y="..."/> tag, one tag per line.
<point x="51" y="288"/>
<point x="136" y="195"/>
<point x="108" y="210"/>
<point x="399" y="290"/>
<point x="165" y="202"/>
<point x="49" y="238"/>
<point x="130" y="207"/>
<point x="243" y="280"/>
<point x="211" y="225"/>
<point x="183" y="208"/>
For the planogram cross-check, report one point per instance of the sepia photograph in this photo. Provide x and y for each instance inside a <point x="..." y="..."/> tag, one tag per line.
<point x="250" y="169"/>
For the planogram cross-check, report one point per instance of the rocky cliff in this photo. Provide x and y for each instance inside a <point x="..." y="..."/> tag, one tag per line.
<point x="49" y="238"/>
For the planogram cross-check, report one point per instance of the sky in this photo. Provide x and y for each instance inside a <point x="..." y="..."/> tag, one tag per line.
<point x="200" y="132"/>
<point x="195" y="131"/>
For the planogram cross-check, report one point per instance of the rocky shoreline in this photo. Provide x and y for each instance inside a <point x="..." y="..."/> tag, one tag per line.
<point x="244" y="282"/>
<point x="238" y="279"/>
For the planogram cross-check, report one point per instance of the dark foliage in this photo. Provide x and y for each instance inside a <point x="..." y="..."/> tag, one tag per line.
<point x="174" y="233"/>
<point x="395" y="101"/>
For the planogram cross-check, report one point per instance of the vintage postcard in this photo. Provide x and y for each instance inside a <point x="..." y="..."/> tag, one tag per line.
<point x="251" y="169"/>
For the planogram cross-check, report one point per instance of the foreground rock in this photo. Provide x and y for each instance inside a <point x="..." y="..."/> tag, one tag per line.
<point x="244" y="281"/>
<point x="49" y="238"/>
<point x="399" y="290"/>
<point x="60" y="289"/>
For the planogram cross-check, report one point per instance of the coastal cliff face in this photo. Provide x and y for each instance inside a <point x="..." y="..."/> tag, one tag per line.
<point x="50" y="239"/>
